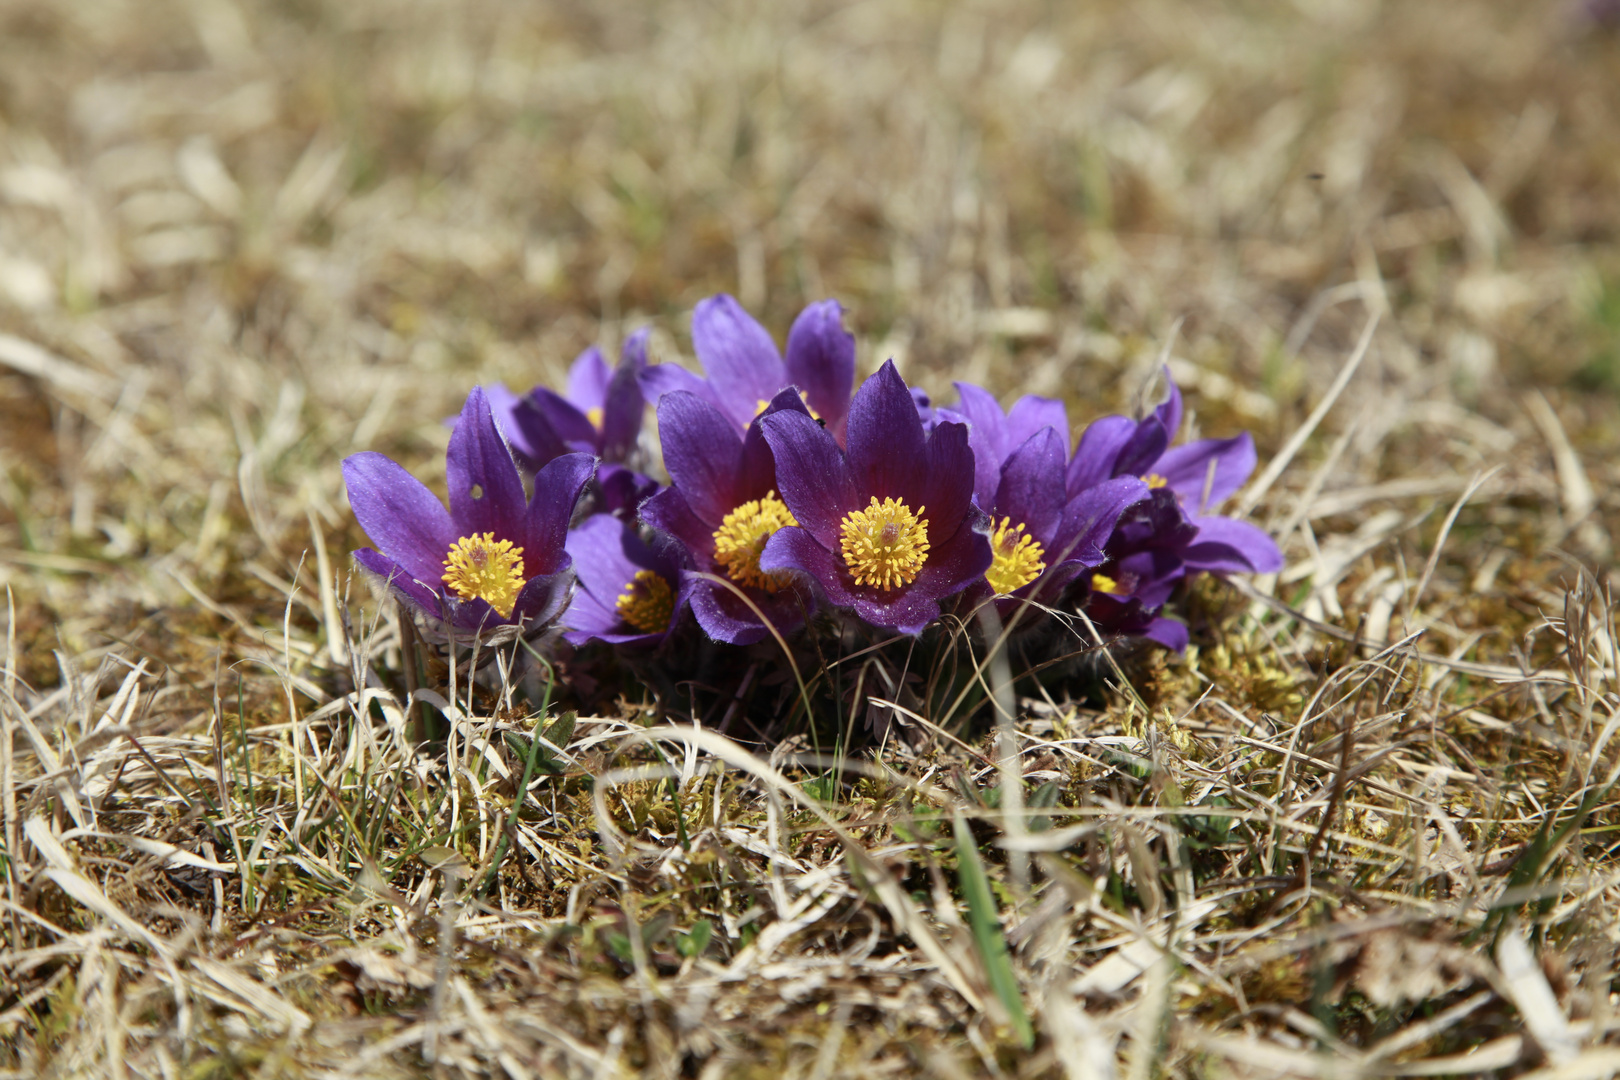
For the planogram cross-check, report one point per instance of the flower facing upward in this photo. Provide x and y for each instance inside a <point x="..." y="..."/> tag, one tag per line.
<point x="494" y="558"/>
<point x="888" y="528"/>
<point x="723" y="507"/>
<point x="627" y="591"/>
<point x="745" y="372"/>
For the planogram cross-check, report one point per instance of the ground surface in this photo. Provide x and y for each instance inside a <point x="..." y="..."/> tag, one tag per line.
<point x="240" y="242"/>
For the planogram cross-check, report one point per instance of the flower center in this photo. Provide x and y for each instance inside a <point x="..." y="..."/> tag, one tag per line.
<point x="884" y="545"/>
<point x="1017" y="558"/>
<point x="647" y="602"/>
<point x="760" y="406"/>
<point x="742" y="535"/>
<point x="1154" y="481"/>
<point x="485" y="568"/>
<point x="595" y="417"/>
<point x="1104" y="584"/>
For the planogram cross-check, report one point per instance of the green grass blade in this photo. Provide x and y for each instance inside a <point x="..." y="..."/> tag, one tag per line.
<point x="985" y="922"/>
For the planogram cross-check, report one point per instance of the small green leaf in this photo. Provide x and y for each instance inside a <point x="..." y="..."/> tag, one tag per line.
<point x="693" y="944"/>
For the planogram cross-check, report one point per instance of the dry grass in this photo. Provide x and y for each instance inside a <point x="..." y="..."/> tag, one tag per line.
<point x="1365" y="828"/>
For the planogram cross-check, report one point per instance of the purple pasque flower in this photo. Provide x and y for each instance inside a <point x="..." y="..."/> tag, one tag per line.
<point x="628" y="592"/>
<point x="1168" y="536"/>
<point x="888" y="528"/>
<point x="600" y="414"/>
<point x="744" y="372"/>
<point x="722" y="506"/>
<point x="1201" y="474"/>
<point x="494" y="558"/>
<point x="1039" y="540"/>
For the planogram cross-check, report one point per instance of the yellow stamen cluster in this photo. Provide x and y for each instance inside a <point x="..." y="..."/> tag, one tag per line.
<point x="1104" y="584"/>
<point x="485" y="568"/>
<point x="760" y="405"/>
<point x="1017" y="558"/>
<point x="647" y="602"/>
<point x="742" y="535"/>
<point x="1154" y="481"/>
<point x="595" y="417"/>
<point x="884" y="545"/>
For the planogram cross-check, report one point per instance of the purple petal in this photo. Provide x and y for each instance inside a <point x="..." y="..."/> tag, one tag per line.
<point x="588" y="380"/>
<point x="1152" y="574"/>
<point x="1141" y="452"/>
<point x="670" y="513"/>
<point x="1031" y="488"/>
<point x="946" y="484"/>
<point x="1154" y="522"/>
<point x="756" y="469"/>
<point x="543" y="599"/>
<point x="908" y="610"/>
<point x="925" y="408"/>
<point x="545" y="526"/>
<point x="572" y="426"/>
<point x="987" y="435"/>
<point x="1225" y="545"/>
<point x="401" y="516"/>
<point x="1030" y="414"/>
<point x="607" y="554"/>
<point x="1167" y="632"/>
<point x="1168" y="414"/>
<point x="886" y="441"/>
<point x="811" y="474"/>
<point x="623" y="402"/>
<point x="659" y="379"/>
<point x="1089" y="520"/>
<point x="623" y="490"/>
<point x="486" y="493"/>
<point x="405" y="585"/>
<point x="957" y="562"/>
<point x="701" y="448"/>
<point x="532" y="439"/>
<point x="1099" y="448"/>
<point x="724" y="617"/>
<point x="821" y="362"/>
<point x="1187" y="469"/>
<point x="738" y="356"/>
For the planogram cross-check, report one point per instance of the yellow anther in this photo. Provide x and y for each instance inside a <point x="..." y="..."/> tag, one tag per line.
<point x="760" y="405"/>
<point x="1154" y="481"/>
<point x="742" y="535"/>
<point x="884" y="545"/>
<point x="1017" y="558"/>
<point x="485" y="568"/>
<point x="595" y="417"/>
<point x="1104" y="584"/>
<point x="647" y="602"/>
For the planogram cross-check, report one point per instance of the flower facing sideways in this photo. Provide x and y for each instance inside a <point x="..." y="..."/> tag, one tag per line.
<point x="1039" y="539"/>
<point x="627" y="591"/>
<point x="494" y="558"/>
<point x="1170" y="535"/>
<point x="888" y="528"/>
<point x="722" y="505"/>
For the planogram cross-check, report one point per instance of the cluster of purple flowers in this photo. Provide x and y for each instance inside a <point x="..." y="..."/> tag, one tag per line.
<point x="790" y="488"/>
